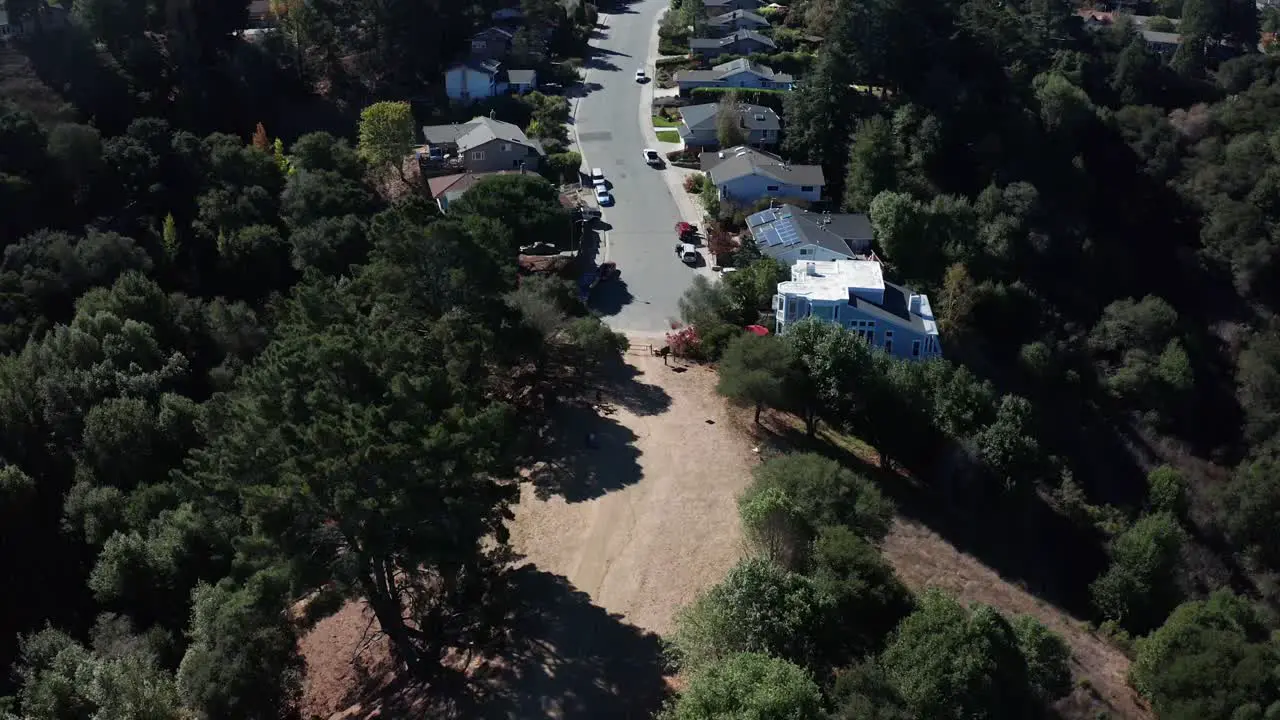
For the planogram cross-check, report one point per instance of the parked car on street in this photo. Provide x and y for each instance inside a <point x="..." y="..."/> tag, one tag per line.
<point x="597" y="178"/>
<point x="592" y="279"/>
<point x="603" y="197"/>
<point x="652" y="157"/>
<point x="640" y="76"/>
<point x="686" y="231"/>
<point x="687" y="252"/>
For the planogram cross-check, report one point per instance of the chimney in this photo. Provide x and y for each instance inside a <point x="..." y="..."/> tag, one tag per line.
<point x="915" y="303"/>
<point x="811" y="269"/>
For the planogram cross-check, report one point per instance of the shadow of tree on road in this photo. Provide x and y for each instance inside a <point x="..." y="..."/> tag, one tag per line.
<point x="610" y="297"/>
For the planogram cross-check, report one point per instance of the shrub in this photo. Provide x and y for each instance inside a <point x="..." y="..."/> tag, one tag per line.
<point x="774" y="527"/>
<point x="684" y="343"/>
<point x="852" y="571"/>
<point x="1167" y="491"/>
<point x="826" y="493"/>
<point x="1210" y="658"/>
<point x="748" y="685"/>
<point x="951" y="662"/>
<point x="693" y="183"/>
<point x="1139" y="588"/>
<point x="758" y="607"/>
<point x="563" y="167"/>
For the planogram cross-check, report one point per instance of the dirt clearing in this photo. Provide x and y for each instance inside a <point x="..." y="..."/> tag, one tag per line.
<point x="637" y="517"/>
<point x="649" y="517"/>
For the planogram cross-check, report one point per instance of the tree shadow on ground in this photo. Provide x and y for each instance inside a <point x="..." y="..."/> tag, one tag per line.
<point x="570" y="658"/>
<point x="1024" y="539"/>
<point x="589" y="454"/>
<point x="562" y="656"/>
<point x="620" y="384"/>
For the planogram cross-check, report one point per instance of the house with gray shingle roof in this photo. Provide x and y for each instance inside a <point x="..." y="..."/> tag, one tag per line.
<point x="729" y="22"/>
<point x="739" y="42"/>
<point x="720" y="7"/>
<point x="788" y="233"/>
<point x="744" y="175"/>
<point x="740" y="73"/>
<point x="483" y="145"/>
<point x="699" y="124"/>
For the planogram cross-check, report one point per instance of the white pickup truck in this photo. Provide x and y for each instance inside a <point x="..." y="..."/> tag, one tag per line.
<point x="652" y="157"/>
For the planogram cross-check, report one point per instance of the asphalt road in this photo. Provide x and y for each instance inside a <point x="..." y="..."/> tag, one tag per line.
<point x="638" y="228"/>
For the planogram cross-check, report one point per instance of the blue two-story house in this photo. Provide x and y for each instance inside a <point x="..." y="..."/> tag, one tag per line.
<point x="853" y="294"/>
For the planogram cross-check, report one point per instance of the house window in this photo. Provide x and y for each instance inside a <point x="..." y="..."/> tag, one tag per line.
<point x="888" y="341"/>
<point x="806" y="188"/>
<point x="771" y="188"/>
<point x="824" y="312"/>
<point x="477" y="155"/>
<point x="804" y="251"/>
<point x="915" y="348"/>
<point x="506" y="147"/>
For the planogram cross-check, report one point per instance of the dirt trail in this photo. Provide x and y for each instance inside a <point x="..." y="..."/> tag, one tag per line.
<point x="922" y="560"/>
<point x="658" y="522"/>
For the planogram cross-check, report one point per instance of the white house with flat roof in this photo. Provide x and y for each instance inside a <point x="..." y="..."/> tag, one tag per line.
<point x="854" y="294"/>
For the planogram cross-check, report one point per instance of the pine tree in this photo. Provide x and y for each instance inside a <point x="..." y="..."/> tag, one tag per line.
<point x="170" y="236"/>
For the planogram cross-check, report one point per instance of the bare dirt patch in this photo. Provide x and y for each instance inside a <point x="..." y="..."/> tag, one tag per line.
<point x="649" y="518"/>
<point x="636" y="517"/>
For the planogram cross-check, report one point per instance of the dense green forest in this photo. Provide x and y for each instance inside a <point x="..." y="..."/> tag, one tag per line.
<point x="236" y="374"/>
<point x="1097" y="225"/>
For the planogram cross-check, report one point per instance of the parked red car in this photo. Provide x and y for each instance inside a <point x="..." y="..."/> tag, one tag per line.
<point x="685" y="231"/>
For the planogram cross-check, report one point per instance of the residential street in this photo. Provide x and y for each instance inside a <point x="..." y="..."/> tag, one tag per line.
<point x="612" y="127"/>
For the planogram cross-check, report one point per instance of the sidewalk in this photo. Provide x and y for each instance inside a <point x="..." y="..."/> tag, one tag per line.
<point x="690" y="208"/>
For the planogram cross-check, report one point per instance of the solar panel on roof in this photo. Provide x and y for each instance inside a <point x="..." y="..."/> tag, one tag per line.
<point x="760" y="218"/>
<point x="768" y="236"/>
<point x="785" y="212"/>
<point x="787" y="232"/>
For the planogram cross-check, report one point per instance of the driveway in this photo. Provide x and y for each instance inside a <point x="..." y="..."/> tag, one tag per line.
<point x="611" y="125"/>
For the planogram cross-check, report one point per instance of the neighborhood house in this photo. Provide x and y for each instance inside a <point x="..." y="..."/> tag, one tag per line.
<point x="483" y="74"/>
<point x="744" y="174"/>
<point x="720" y="7"/>
<point x="698" y="124"/>
<point x="739" y="42"/>
<point x="722" y="25"/>
<point x="788" y="234"/>
<point x="740" y="73"/>
<point x="482" y="145"/>
<point x="447" y="188"/>
<point x="854" y="294"/>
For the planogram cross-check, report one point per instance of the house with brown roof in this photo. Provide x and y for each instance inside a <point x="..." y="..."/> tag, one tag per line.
<point x="447" y="188"/>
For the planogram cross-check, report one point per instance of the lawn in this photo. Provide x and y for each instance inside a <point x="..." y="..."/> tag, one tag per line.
<point x="661" y="122"/>
<point x="670" y="136"/>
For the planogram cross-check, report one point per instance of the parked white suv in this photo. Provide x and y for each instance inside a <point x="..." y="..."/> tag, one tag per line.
<point x="597" y="178"/>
